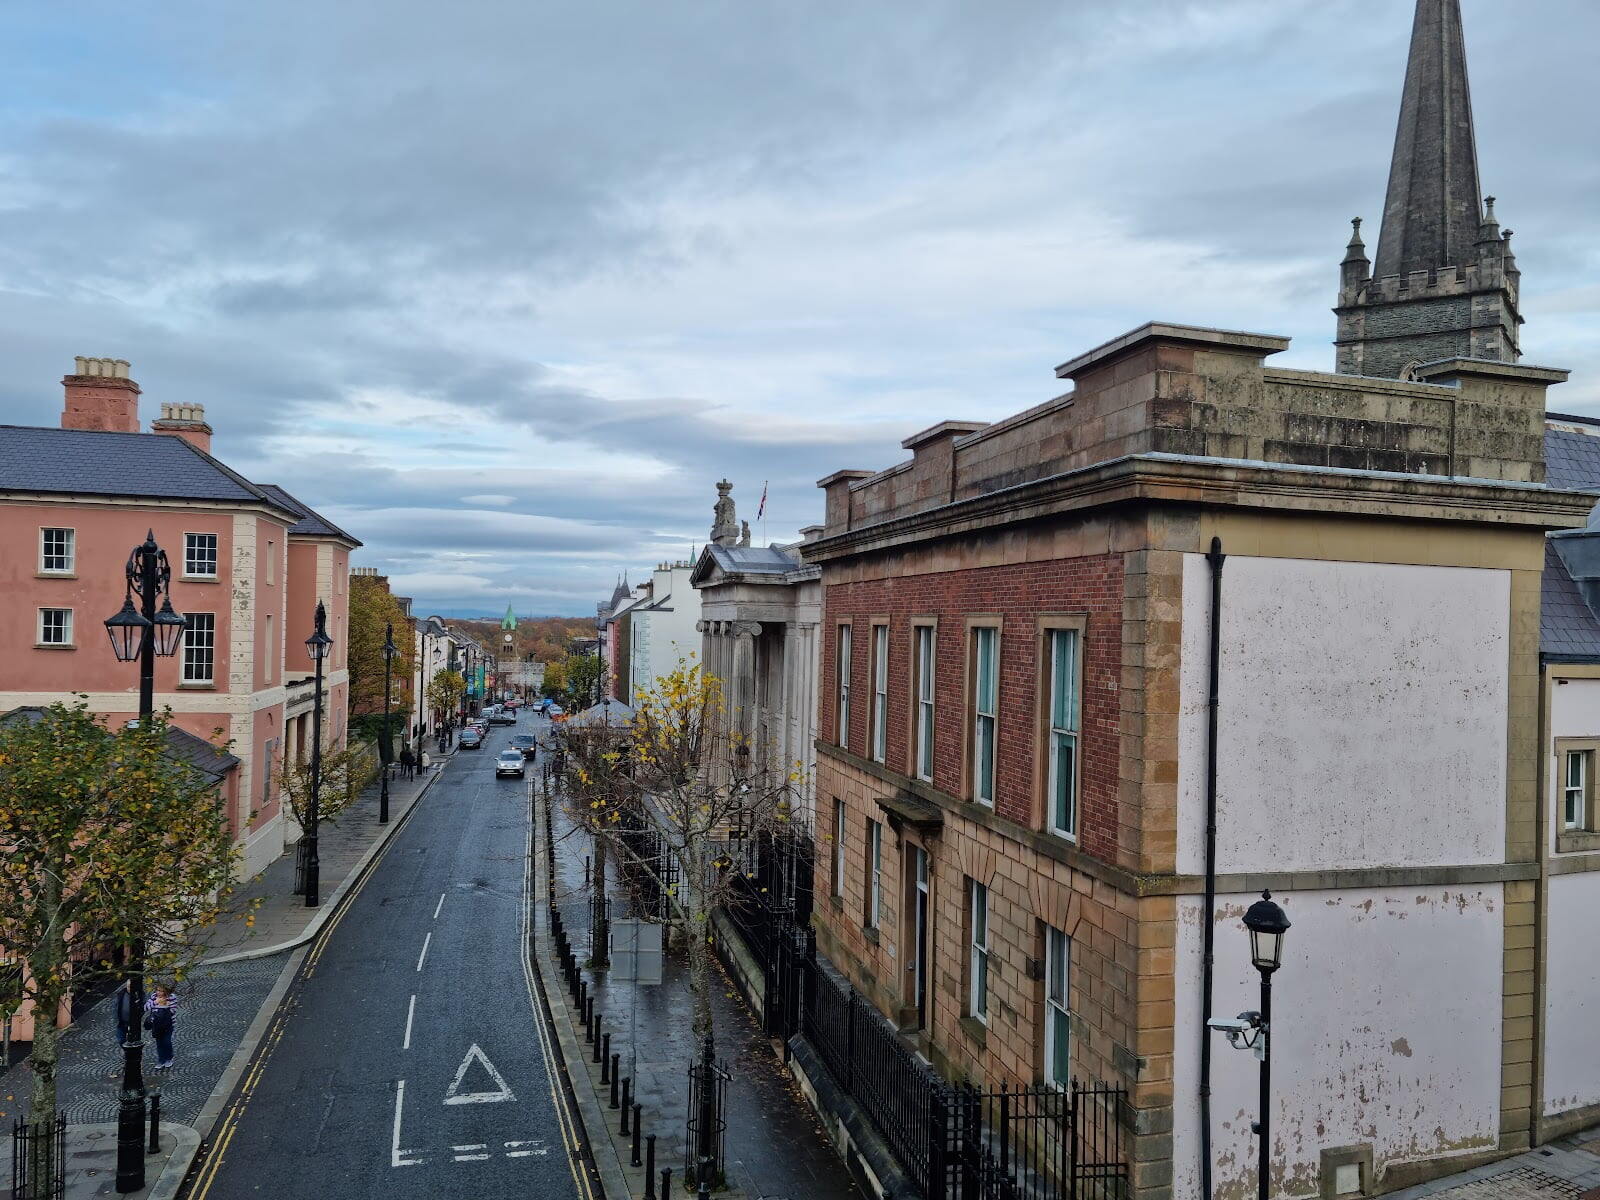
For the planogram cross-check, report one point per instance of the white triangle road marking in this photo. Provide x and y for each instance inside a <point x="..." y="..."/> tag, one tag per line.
<point x="456" y="1096"/>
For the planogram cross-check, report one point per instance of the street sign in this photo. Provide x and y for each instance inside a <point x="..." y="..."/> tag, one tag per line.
<point x="636" y="950"/>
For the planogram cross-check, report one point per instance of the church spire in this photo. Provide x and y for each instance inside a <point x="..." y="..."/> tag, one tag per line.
<point x="1434" y="207"/>
<point x="1444" y="284"/>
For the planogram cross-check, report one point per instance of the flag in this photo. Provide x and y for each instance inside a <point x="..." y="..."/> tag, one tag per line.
<point x="762" y="507"/>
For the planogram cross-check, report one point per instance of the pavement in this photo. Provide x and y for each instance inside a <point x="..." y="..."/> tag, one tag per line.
<point x="1566" y="1169"/>
<point x="226" y="1002"/>
<point x="775" y="1147"/>
<point x="409" y="1055"/>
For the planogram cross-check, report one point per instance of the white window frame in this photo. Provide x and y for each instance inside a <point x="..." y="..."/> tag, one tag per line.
<point x="985" y="720"/>
<point x="1057" y="1007"/>
<point x="874" y="913"/>
<point x="844" y="668"/>
<point x="1063" y="722"/>
<point x="880" y="693"/>
<point x="1575" y="796"/>
<point x="923" y="651"/>
<point x="839" y="818"/>
<point x="64" y="626"/>
<point x="978" y="951"/>
<point x="191" y="647"/>
<point x="69" y="555"/>
<point x="192" y="542"/>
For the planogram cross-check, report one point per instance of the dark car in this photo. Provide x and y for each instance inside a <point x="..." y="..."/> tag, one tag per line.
<point x="502" y="716"/>
<point x="470" y="739"/>
<point x="527" y="743"/>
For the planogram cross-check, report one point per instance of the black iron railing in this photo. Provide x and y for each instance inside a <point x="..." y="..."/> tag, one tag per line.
<point x="1044" y="1143"/>
<point x="39" y="1160"/>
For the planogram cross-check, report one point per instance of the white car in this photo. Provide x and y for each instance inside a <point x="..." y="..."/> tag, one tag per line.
<point x="511" y="762"/>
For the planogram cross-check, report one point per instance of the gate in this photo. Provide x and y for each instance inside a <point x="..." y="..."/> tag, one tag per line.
<point x="1043" y="1143"/>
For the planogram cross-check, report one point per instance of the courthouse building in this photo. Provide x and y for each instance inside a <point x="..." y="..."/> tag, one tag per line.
<point x="1032" y="837"/>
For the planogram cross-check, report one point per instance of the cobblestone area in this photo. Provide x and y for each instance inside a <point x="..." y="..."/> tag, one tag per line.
<point x="217" y="1005"/>
<point x="1521" y="1183"/>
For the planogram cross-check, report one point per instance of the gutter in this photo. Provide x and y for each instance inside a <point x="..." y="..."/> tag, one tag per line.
<point x="1215" y="559"/>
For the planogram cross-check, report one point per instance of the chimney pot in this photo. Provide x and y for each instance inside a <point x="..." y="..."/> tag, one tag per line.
<point x="187" y="421"/>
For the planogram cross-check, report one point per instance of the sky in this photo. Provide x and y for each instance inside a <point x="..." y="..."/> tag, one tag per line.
<point x="504" y="286"/>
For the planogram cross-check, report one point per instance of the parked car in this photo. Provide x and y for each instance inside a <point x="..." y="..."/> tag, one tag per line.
<point x="470" y="738"/>
<point x="502" y="716"/>
<point x="510" y="762"/>
<point x="527" y="743"/>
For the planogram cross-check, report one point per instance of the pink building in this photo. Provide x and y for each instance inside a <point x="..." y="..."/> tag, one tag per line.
<point x="249" y="563"/>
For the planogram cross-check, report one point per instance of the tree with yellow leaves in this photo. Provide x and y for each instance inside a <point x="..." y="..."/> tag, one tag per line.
<point x="680" y="774"/>
<point x="108" y="840"/>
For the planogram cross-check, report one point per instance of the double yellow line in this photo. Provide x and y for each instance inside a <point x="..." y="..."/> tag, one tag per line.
<point x="218" y="1148"/>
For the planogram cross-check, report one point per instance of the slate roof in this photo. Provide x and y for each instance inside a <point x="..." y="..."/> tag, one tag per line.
<point x="311" y="522"/>
<point x="1571" y="460"/>
<point x="1568" y="630"/>
<point x="181" y="744"/>
<point x="96" y="463"/>
<point x="753" y="560"/>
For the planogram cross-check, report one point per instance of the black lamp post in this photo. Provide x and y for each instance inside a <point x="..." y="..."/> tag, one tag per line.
<point x="389" y="651"/>
<point x="142" y="634"/>
<point x="319" y="643"/>
<point x="1267" y="925"/>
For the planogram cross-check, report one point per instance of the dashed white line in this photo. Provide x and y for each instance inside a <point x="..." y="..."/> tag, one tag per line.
<point x="474" y="1146"/>
<point x="411" y="1011"/>
<point x="470" y="1157"/>
<point x="421" y="958"/>
<point x="438" y="906"/>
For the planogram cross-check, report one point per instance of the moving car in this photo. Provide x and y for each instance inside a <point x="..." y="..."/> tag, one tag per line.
<point x="510" y="762"/>
<point x="499" y="715"/>
<point x="470" y="739"/>
<point x="527" y="743"/>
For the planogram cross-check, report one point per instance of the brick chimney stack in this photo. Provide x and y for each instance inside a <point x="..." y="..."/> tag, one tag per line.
<point x="187" y="421"/>
<point x="101" y="396"/>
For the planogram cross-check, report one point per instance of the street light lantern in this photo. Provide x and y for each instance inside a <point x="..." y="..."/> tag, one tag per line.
<point x="169" y="627"/>
<point x="319" y="643"/>
<point x="389" y="648"/>
<point x="1267" y="925"/>
<point x="127" y="630"/>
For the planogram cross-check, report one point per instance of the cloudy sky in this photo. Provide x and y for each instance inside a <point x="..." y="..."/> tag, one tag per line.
<point x="504" y="286"/>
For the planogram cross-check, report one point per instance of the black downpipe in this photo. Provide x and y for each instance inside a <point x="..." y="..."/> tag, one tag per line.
<point x="1208" y="935"/>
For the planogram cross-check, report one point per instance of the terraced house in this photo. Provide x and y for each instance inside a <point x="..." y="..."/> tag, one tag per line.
<point x="1095" y="675"/>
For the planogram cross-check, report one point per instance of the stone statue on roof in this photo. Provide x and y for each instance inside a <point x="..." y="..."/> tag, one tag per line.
<point x="725" y="525"/>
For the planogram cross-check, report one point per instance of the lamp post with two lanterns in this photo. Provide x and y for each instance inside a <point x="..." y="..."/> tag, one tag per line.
<point x="319" y="643"/>
<point x="141" y="633"/>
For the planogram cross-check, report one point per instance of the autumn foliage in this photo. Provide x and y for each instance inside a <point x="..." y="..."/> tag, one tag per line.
<point x="109" y="841"/>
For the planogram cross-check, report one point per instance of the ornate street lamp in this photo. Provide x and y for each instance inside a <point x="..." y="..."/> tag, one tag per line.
<point x="389" y="651"/>
<point x="143" y="634"/>
<point x="319" y="643"/>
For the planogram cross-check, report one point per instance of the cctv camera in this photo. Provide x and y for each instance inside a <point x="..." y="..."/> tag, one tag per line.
<point x="1233" y="1027"/>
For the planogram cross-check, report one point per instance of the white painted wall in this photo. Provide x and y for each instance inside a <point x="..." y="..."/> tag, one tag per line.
<point x="1572" y="995"/>
<point x="1389" y="1015"/>
<point x="1363" y="715"/>
<point x="671" y="631"/>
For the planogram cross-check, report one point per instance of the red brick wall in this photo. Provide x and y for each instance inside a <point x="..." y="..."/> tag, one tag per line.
<point x="1020" y="594"/>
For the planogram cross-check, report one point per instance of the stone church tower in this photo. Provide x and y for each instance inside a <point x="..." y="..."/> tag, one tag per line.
<point x="1445" y="283"/>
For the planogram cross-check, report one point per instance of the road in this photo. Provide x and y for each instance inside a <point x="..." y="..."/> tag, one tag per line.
<point x="410" y="1057"/>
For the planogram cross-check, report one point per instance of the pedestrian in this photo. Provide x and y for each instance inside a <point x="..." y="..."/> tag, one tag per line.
<point x="128" y="1005"/>
<point x="408" y="763"/>
<point x="161" y="1015"/>
<point x="423" y="761"/>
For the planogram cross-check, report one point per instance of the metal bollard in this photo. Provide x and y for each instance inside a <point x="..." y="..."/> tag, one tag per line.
<point x="627" y="1103"/>
<point x="649" y="1164"/>
<point x="666" y="1183"/>
<point x="704" y="1192"/>
<point x="634" y="1160"/>
<point x="155" y="1120"/>
<point x="606" y="1075"/>
<point x="615" y="1063"/>
<point x="597" y="1038"/>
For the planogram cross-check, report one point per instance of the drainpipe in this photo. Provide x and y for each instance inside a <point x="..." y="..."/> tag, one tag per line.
<point x="1207" y="925"/>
